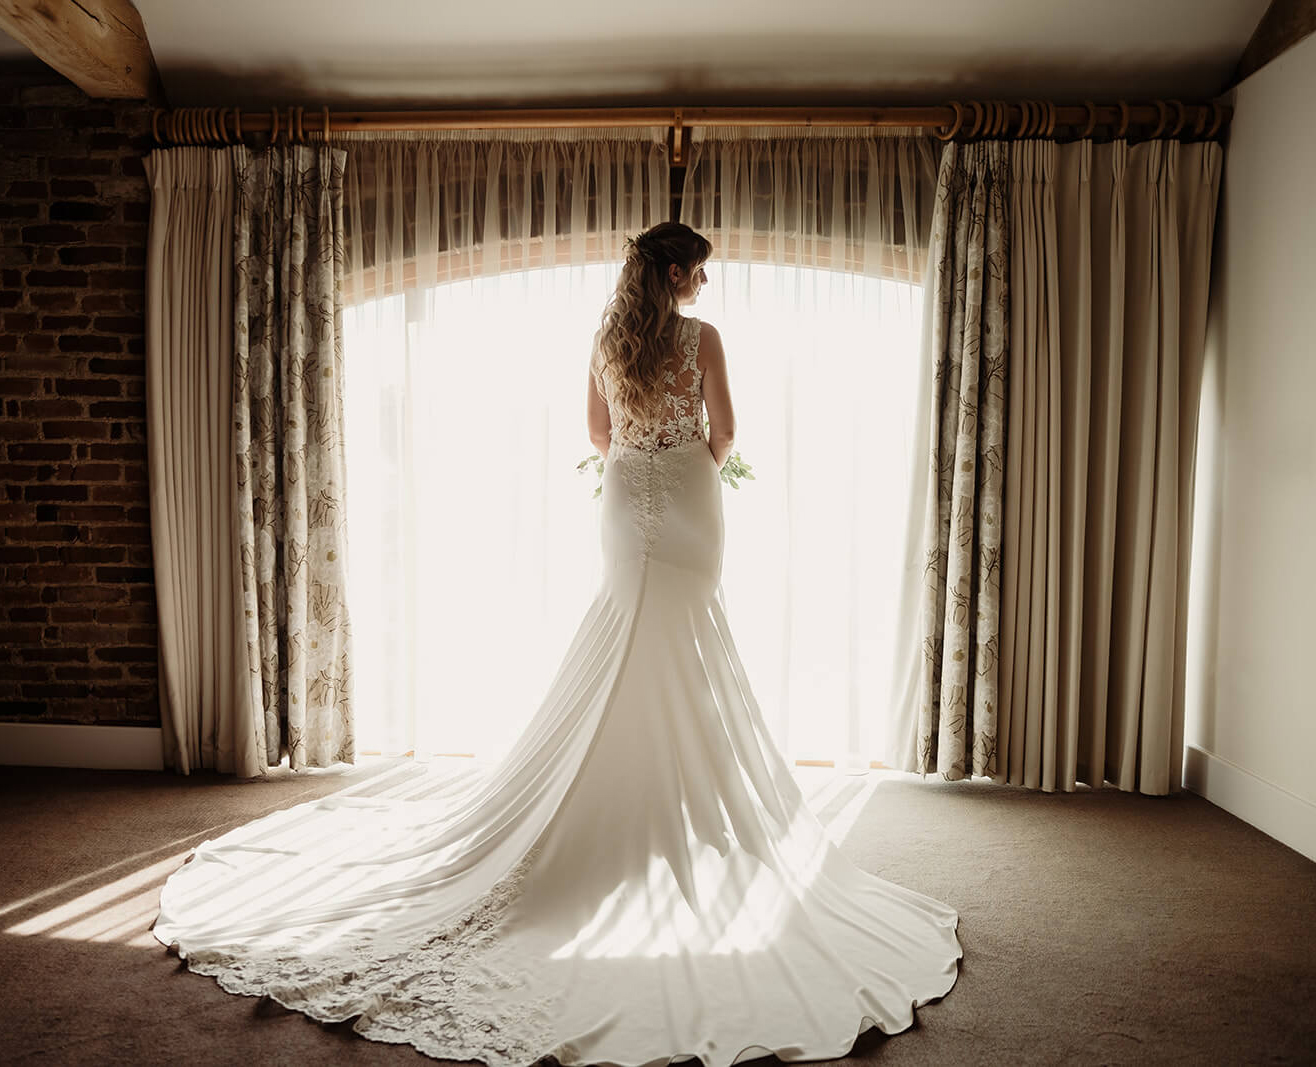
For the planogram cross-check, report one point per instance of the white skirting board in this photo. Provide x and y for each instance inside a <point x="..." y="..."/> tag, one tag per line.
<point x="1275" y="811"/>
<point x="122" y="748"/>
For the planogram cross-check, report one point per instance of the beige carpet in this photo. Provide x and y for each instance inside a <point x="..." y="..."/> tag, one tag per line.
<point x="1098" y="927"/>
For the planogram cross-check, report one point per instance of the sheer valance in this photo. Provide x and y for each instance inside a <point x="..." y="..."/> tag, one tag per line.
<point x="839" y="198"/>
<point x="438" y="206"/>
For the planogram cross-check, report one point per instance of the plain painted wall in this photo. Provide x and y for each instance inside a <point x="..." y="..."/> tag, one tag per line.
<point x="1250" y="692"/>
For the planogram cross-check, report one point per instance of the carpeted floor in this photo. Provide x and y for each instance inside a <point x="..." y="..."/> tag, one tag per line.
<point x="1098" y="927"/>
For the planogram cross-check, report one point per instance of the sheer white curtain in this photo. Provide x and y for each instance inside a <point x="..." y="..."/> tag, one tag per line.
<point x="479" y="264"/>
<point x="820" y="240"/>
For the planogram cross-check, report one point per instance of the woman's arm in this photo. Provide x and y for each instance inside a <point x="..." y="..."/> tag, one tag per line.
<point x="597" y="418"/>
<point x="717" y="393"/>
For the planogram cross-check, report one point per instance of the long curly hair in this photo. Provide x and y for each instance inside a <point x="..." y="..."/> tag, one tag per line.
<point x="641" y="318"/>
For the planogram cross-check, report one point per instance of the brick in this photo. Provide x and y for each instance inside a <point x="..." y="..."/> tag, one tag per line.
<point x="117" y="409"/>
<point x="14" y="210"/>
<point x="54" y="655"/>
<point x="18" y="554"/>
<point x="77" y="430"/>
<point x="124" y="574"/>
<point x="65" y="322"/>
<point x="49" y="690"/>
<point x="102" y="302"/>
<point x="80" y="211"/>
<point x="66" y="300"/>
<point x="15" y="430"/>
<point x="98" y="365"/>
<point x="65" y="279"/>
<point x="90" y="255"/>
<point x="79" y="168"/>
<point x="27" y="191"/>
<point x="20" y="386"/>
<point x="88" y="472"/>
<point x="20" y="321"/>
<point x="88" y="387"/>
<point x="120" y="323"/>
<point x="55" y="491"/>
<point x="39" y="613"/>
<point x="72" y="187"/>
<point x="117" y="279"/>
<point x="51" y="407"/>
<point x="36" y="343"/>
<point x="53" y="234"/>
<point x="90" y="342"/>
<point x="92" y="554"/>
<point x="119" y="535"/>
<point x="35" y="451"/>
<point x="92" y="594"/>
<point x="103" y="673"/>
<point x="134" y="453"/>
<point x="127" y="654"/>
<point x="68" y="613"/>
<point x="129" y="613"/>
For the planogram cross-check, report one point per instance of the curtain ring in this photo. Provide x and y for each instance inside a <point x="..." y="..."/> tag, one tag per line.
<point x="1123" y="128"/>
<point x="301" y="133"/>
<point x="1002" y="118"/>
<point x="1199" y="123"/>
<point x="1091" y="123"/>
<point x="237" y="125"/>
<point x="1052" y="113"/>
<point x="191" y="125"/>
<point x="221" y="120"/>
<point x="977" y="119"/>
<point x="1218" y="116"/>
<point x="169" y="127"/>
<point x="959" y="121"/>
<point x="212" y="127"/>
<point x="274" y="125"/>
<point x="1164" y="112"/>
<point x="155" y="123"/>
<point x="325" y="111"/>
<point x="1182" y="113"/>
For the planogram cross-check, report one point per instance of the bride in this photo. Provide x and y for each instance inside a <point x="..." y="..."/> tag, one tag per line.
<point x="639" y="879"/>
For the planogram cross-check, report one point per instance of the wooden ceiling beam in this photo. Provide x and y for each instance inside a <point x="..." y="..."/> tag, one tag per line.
<point x="1285" y="23"/>
<point x="99" y="45"/>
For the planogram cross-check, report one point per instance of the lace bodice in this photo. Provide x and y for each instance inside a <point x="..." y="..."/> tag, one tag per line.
<point x="682" y="417"/>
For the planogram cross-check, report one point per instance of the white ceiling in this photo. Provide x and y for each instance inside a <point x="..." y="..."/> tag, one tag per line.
<point x="399" y="53"/>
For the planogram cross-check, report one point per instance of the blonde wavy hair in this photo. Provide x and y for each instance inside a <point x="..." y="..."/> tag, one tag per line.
<point x="641" y="318"/>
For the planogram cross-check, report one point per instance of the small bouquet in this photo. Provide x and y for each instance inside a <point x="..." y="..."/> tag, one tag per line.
<point x="732" y="470"/>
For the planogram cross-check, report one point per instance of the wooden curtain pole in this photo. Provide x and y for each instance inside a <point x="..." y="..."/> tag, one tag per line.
<point x="993" y="118"/>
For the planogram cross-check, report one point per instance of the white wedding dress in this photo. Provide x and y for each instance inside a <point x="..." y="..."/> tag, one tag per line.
<point x="638" y="880"/>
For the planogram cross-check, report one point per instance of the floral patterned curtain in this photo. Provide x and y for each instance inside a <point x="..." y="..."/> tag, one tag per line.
<point x="969" y="309"/>
<point x="288" y="421"/>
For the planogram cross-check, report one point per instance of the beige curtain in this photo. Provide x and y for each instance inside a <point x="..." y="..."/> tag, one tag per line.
<point x="1108" y="263"/>
<point x="288" y="415"/>
<point x="204" y="708"/>
<point x="1110" y="269"/>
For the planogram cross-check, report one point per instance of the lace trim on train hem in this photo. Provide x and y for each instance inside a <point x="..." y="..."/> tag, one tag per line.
<point x="442" y="996"/>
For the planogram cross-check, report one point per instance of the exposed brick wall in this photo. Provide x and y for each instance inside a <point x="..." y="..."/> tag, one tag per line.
<point x="78" y="622"/>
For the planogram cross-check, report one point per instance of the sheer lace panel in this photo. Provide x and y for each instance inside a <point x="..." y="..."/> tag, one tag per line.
<point x="682" y="416"/>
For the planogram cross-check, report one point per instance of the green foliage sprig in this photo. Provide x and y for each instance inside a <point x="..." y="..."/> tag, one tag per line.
<point x="733" y="471"/>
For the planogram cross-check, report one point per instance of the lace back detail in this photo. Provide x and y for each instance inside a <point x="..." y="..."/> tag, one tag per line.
<point x="682" y="418"/>
<point x="647" y="456"/>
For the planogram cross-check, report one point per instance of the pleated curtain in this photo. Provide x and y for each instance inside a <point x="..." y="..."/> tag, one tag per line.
<point x="291" y="471"/>
<point x="205" y="714"/>
<point x="1108" y="270"/>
